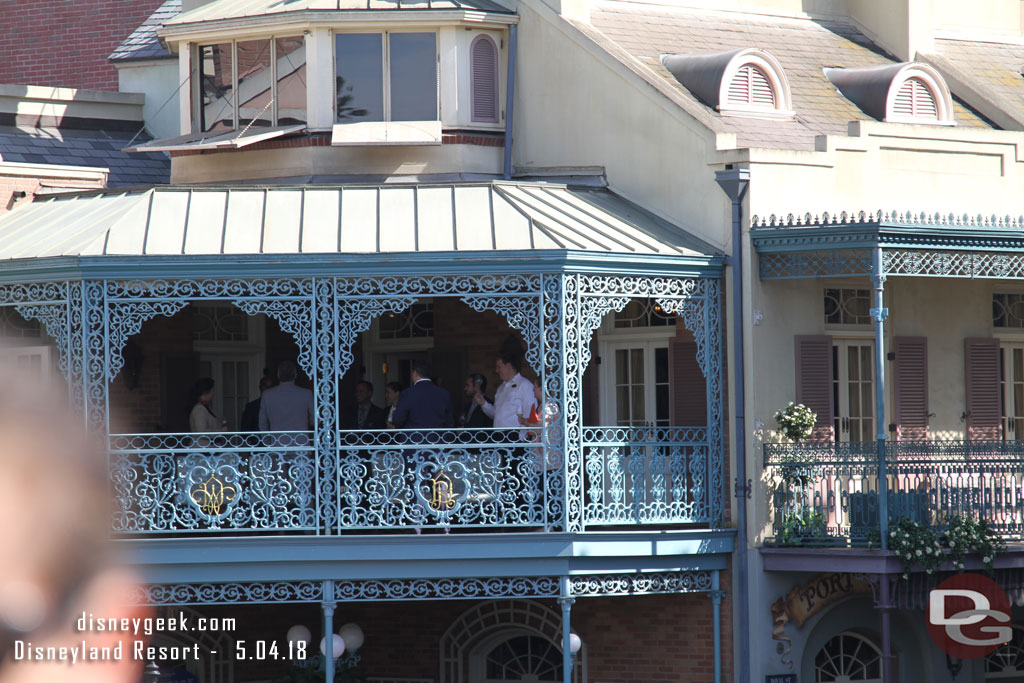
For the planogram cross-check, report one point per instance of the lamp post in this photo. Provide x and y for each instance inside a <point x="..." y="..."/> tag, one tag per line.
<point x="344" y="645"/>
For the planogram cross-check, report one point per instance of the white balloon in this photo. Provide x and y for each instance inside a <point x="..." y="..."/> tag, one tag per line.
<point x="574" y="643"/>
<point x="337" y="646"/>
<point x="353" y="636"/>
<point x="299" y="634"/>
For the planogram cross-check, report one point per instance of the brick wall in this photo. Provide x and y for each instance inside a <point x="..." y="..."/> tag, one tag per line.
<point x="18" y="190"/>
<point x="67" y="42"/>
<point x="628" y="639"/>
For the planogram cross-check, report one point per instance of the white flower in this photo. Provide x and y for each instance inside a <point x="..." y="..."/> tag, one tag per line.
<point x="918" y="552"/>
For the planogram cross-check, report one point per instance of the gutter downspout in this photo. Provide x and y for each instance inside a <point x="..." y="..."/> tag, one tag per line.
<point x="510" y="100"/>
<point x="734" y="182"/>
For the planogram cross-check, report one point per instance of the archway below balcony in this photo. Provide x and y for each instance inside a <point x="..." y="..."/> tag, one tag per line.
<point x="498" y="639"/>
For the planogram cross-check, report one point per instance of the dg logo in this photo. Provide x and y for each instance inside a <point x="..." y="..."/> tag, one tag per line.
<point x="969" y="616"/>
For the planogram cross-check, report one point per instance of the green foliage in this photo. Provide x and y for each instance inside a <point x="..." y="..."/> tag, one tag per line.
<point x="915" y="544"/>
<point x="796" y="421"/>
<point x="966" y="536"/>
<point x="801" y="528"/>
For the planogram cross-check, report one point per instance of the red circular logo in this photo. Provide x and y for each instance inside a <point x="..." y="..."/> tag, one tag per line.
<point x="969" y="616"/>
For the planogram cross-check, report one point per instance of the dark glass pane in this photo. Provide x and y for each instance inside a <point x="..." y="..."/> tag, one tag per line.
<point x="291" y="81"/>
<point x="413" y="63"/>
<point x="359" y="74"/>
<point x="661" y="365"/>
<point x="217" y="107"/>
<point x="254" y="83"/>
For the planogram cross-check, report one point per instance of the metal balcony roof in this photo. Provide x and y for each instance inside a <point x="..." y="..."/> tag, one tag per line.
<point x="343" y="219"/>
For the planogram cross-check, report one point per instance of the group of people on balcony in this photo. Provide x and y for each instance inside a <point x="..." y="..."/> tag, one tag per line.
<point x="286" y="407"/>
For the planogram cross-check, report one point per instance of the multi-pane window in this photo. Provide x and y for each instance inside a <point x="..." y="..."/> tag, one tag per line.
<point x="387" y="76"/>
<point x="1008" y="310"/>
<point x="217" y="323"/>
<point x="643" y="313"/>
<point x="251" y="83"/>
<point x="414" y="322"/>
<point x="847" y="306"/>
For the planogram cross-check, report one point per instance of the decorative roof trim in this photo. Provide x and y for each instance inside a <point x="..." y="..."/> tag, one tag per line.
<point x="709" y="75"/>
<point x="874" y="90"/>
<point x="910" y="218"/>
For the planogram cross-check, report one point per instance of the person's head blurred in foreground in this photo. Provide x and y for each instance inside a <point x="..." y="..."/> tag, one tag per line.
<point x="54" y="555"/>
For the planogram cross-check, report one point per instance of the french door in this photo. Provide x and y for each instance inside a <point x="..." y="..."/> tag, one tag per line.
<point x="236" y="380"/>
<point x="853" y="389"/>
<point x="1011" y="366"/>
<point x="639" y="379"/>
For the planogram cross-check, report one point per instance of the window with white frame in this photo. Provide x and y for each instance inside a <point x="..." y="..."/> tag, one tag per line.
<point x="847" y="306"/>
<point x="256" y="83"/>
<point x="751" y="86"/>
<point x="386" y="76"/>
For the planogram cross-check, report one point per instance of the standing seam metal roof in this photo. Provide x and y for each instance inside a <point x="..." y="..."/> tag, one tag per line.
<point x="471" y="217"/>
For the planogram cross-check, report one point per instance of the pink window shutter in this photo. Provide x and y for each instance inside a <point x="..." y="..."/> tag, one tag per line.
<point x="688" y="405"/>
<point x="910" y="383"/>
<point x="484" y="79"/>
<point x="814" y="381"/>
<point x="981" y="366"/>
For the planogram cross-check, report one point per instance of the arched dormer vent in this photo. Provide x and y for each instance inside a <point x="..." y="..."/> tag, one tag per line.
<point x="744" y="82"/>
<point x="902" y="93"/>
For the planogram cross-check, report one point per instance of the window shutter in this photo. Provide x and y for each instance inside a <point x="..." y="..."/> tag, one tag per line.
<point x="751" y="85"/>
<point x="915" y="99"/>
<point x="981" y="365"/>
<point x="688" y="404"/>
<point x="814" y="381"/>
<point x="910" y="380"/>
<point x="484" y="79"/>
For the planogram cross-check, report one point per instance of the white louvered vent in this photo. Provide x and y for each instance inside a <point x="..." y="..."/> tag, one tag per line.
<point x="915" y="100"/>
<point x="751" y="86"/>
<point x="484" y="79"/>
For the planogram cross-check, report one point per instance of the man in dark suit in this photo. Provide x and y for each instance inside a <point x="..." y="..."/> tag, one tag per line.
<point x="474" y="417"/>
<point x="364" y="414"/>
<point x="424" y="405"/>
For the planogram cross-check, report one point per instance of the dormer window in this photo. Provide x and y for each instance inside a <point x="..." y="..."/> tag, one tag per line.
<point x="899" y="93"/>
<point x="386" y="76"/>
<point x="745" y="82"/>
<point x="483" y="56"/>
<point x="251" y="84"/>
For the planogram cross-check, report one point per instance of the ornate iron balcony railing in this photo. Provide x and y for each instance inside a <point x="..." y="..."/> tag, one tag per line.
<point x="406" y="479"/>
<point x="827" y="493"/>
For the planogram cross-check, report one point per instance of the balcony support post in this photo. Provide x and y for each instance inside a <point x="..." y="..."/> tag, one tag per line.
<point x="716" y="596"/>
<point x="886" y="605"/>
<point x="566" y="601"/>
<point x="329" y="604"/>
<point x="879" y="313"/>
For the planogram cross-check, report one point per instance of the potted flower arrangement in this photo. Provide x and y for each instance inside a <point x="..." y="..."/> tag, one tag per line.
<point x="796" y="422"/>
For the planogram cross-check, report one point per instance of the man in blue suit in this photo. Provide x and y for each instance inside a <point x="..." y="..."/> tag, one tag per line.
<point x="424" y="405"/>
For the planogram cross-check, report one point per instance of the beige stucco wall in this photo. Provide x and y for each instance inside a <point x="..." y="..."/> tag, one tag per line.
<point x="885" y="166"/>
<point x="577" y="106"/>
<point x="330" y="161"/>
<point x="157" y="81"/>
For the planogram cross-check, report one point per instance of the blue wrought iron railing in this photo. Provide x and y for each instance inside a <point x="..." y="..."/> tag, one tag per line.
<point x="404" y="479"/>
<point x="827" y="493"/>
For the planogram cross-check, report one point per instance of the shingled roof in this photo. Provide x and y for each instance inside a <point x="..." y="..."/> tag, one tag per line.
<point x="94" y="148"/>
<point x="804" y="48"/>
<point x="993" y="69"/>
<point x="143" y="42"/>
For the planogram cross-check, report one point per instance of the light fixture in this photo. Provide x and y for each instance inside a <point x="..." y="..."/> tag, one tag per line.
<point x="575" y="643"/>
<point x="344" y="643"/>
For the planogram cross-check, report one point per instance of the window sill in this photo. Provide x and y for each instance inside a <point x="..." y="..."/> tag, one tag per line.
<point x="367" y="133"/>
